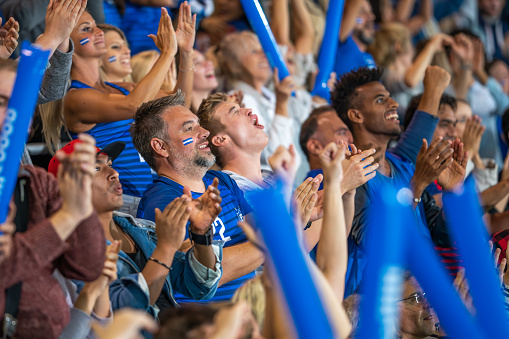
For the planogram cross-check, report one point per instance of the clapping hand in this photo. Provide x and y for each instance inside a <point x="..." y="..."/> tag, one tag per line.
<point x="9" y="35"/>
<point x="205" y="209"/>
<point x="171" y="222"/>
<point x="304" y="198"/>
<point x="452" y="176"/>
<point x="472" y="135"/>
<point x="431" y="161"/>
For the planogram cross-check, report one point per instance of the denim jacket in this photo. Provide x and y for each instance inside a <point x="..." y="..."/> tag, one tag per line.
<point x="127" y="290"/>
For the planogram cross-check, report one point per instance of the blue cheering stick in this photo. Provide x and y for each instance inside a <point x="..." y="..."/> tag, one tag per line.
<point x="392" y="228"/>
<point x="258" y="21"/>
<point x="431" y="275"/>
<point x="280" y="237"/>
<point x="32" y="65"/>
<point x="382" y="283"/>
<point x="464" y="216"/>
<point x="329" y="48"/>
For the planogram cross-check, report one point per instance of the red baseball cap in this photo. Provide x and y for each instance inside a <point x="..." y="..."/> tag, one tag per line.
<point x="112" y="150"/>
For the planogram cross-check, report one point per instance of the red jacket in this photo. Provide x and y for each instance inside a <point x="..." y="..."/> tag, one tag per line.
<point x="43" y="311"/>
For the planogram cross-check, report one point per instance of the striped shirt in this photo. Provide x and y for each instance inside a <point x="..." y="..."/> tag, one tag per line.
<point x="134" y="173"/>
<point x="233" y="208"/>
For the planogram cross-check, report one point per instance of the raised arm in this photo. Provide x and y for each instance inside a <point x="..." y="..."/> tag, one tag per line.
<point x="332" y="254"/>
<point x="303" y="27"/>
<point x="61" y="18"/>
<point x="170" y="230"/>
<point x="416" y="22"/>
<point x="186" y="32"/>
<point x="90" y="106"/>
<point x="351" y="11"/>
<point x="280" y="23"/>
<point x="415" y="72"/>
<point x="423" y="123"/>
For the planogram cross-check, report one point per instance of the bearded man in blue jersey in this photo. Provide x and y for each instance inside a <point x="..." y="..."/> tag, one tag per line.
<point x="172" y="142"/>
<point x="366" y="107"/>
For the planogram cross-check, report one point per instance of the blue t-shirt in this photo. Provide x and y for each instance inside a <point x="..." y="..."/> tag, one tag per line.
<point x="138" y="22"/>
<point x="350" y="57"/>
<point x="134" y="173"/>
<point x="234" y="207"/>
<point x="111" y="14"/>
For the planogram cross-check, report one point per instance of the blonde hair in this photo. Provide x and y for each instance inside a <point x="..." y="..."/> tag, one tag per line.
<point x="52" y="117"/>
<point x="110" y="28"/>
<point x="143" y="62"/>
<point x="253" y="292"/>
<point x="230" y="51"/>
<point x="383" y="49"/>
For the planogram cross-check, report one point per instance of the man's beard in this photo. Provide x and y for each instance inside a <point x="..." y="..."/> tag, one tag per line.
<point x="362" y="37"/>
<point x="205" y="162"/>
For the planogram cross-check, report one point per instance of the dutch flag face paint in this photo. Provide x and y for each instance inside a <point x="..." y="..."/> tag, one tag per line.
<point x="84" y="41"/>
<point x="188" y="141"/>
<point x="112" y="59"/>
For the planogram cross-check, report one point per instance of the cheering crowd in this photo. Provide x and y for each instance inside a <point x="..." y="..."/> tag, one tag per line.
<point x="163" y="120"/>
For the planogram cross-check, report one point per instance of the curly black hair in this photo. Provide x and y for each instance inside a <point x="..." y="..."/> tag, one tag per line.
<point x="345" y="92"/>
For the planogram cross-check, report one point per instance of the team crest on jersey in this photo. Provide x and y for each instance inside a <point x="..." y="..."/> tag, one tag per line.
<point x="218" y="223"/>
<point x="240" y="216"/>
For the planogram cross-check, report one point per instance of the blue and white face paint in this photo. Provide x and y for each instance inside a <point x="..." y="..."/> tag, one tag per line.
<point x="188" y="141"/>
<point x="112" y="59"/>
<point x="84" y="41"/>
<point x="359" y="20"/>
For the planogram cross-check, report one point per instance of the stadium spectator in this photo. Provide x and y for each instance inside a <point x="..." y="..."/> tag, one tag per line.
<point x="246" y="68"/>
<point x="366" y="107"/>
<point x="356" y="33"/>
<point x="62" y="231"/>
<point x="104" y="110"/>
<point x="194" y="274"/>
<point x="171" y="140"/>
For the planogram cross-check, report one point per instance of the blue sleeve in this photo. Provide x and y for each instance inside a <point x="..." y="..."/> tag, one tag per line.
<point x="500" y="97"/>
<point x="421" y="127"/>
<point x="127" y="292"/>
<point x="160" y="200"/>
<point x="184" y="281"/>
<point x="444" y="8"/>
<point x="232" y="185"/>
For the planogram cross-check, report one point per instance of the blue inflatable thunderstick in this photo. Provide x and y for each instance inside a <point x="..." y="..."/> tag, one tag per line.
<point x="258" y="21"/>
<point x="329" y="48"/>
<point x="32" y="65"/>
<point x="301" y="295"/>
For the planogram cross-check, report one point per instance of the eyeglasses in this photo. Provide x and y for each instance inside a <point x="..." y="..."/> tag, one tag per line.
<point x="416" y="298"/>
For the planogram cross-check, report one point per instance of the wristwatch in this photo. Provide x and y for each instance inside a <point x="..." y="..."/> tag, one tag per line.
<point x="201" y="239"/>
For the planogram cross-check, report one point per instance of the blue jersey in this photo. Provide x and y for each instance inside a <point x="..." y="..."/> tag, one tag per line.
<point x="111" y="14"/>
<point x="234" y="207"/>
<point x="350" y="57"/>
<point x="134" y="173"/>
<point x="138" y="22"/>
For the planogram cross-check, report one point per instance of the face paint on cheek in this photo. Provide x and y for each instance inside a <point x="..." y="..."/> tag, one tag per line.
<point x="188" y="141"/>
<point x="359" y="20"/>
<point x="84" y="41"/>
<point x="112" y="59"/>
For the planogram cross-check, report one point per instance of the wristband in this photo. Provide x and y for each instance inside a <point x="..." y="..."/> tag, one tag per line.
<point x="160" y="263"/>
<point x="205" y="239"/>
